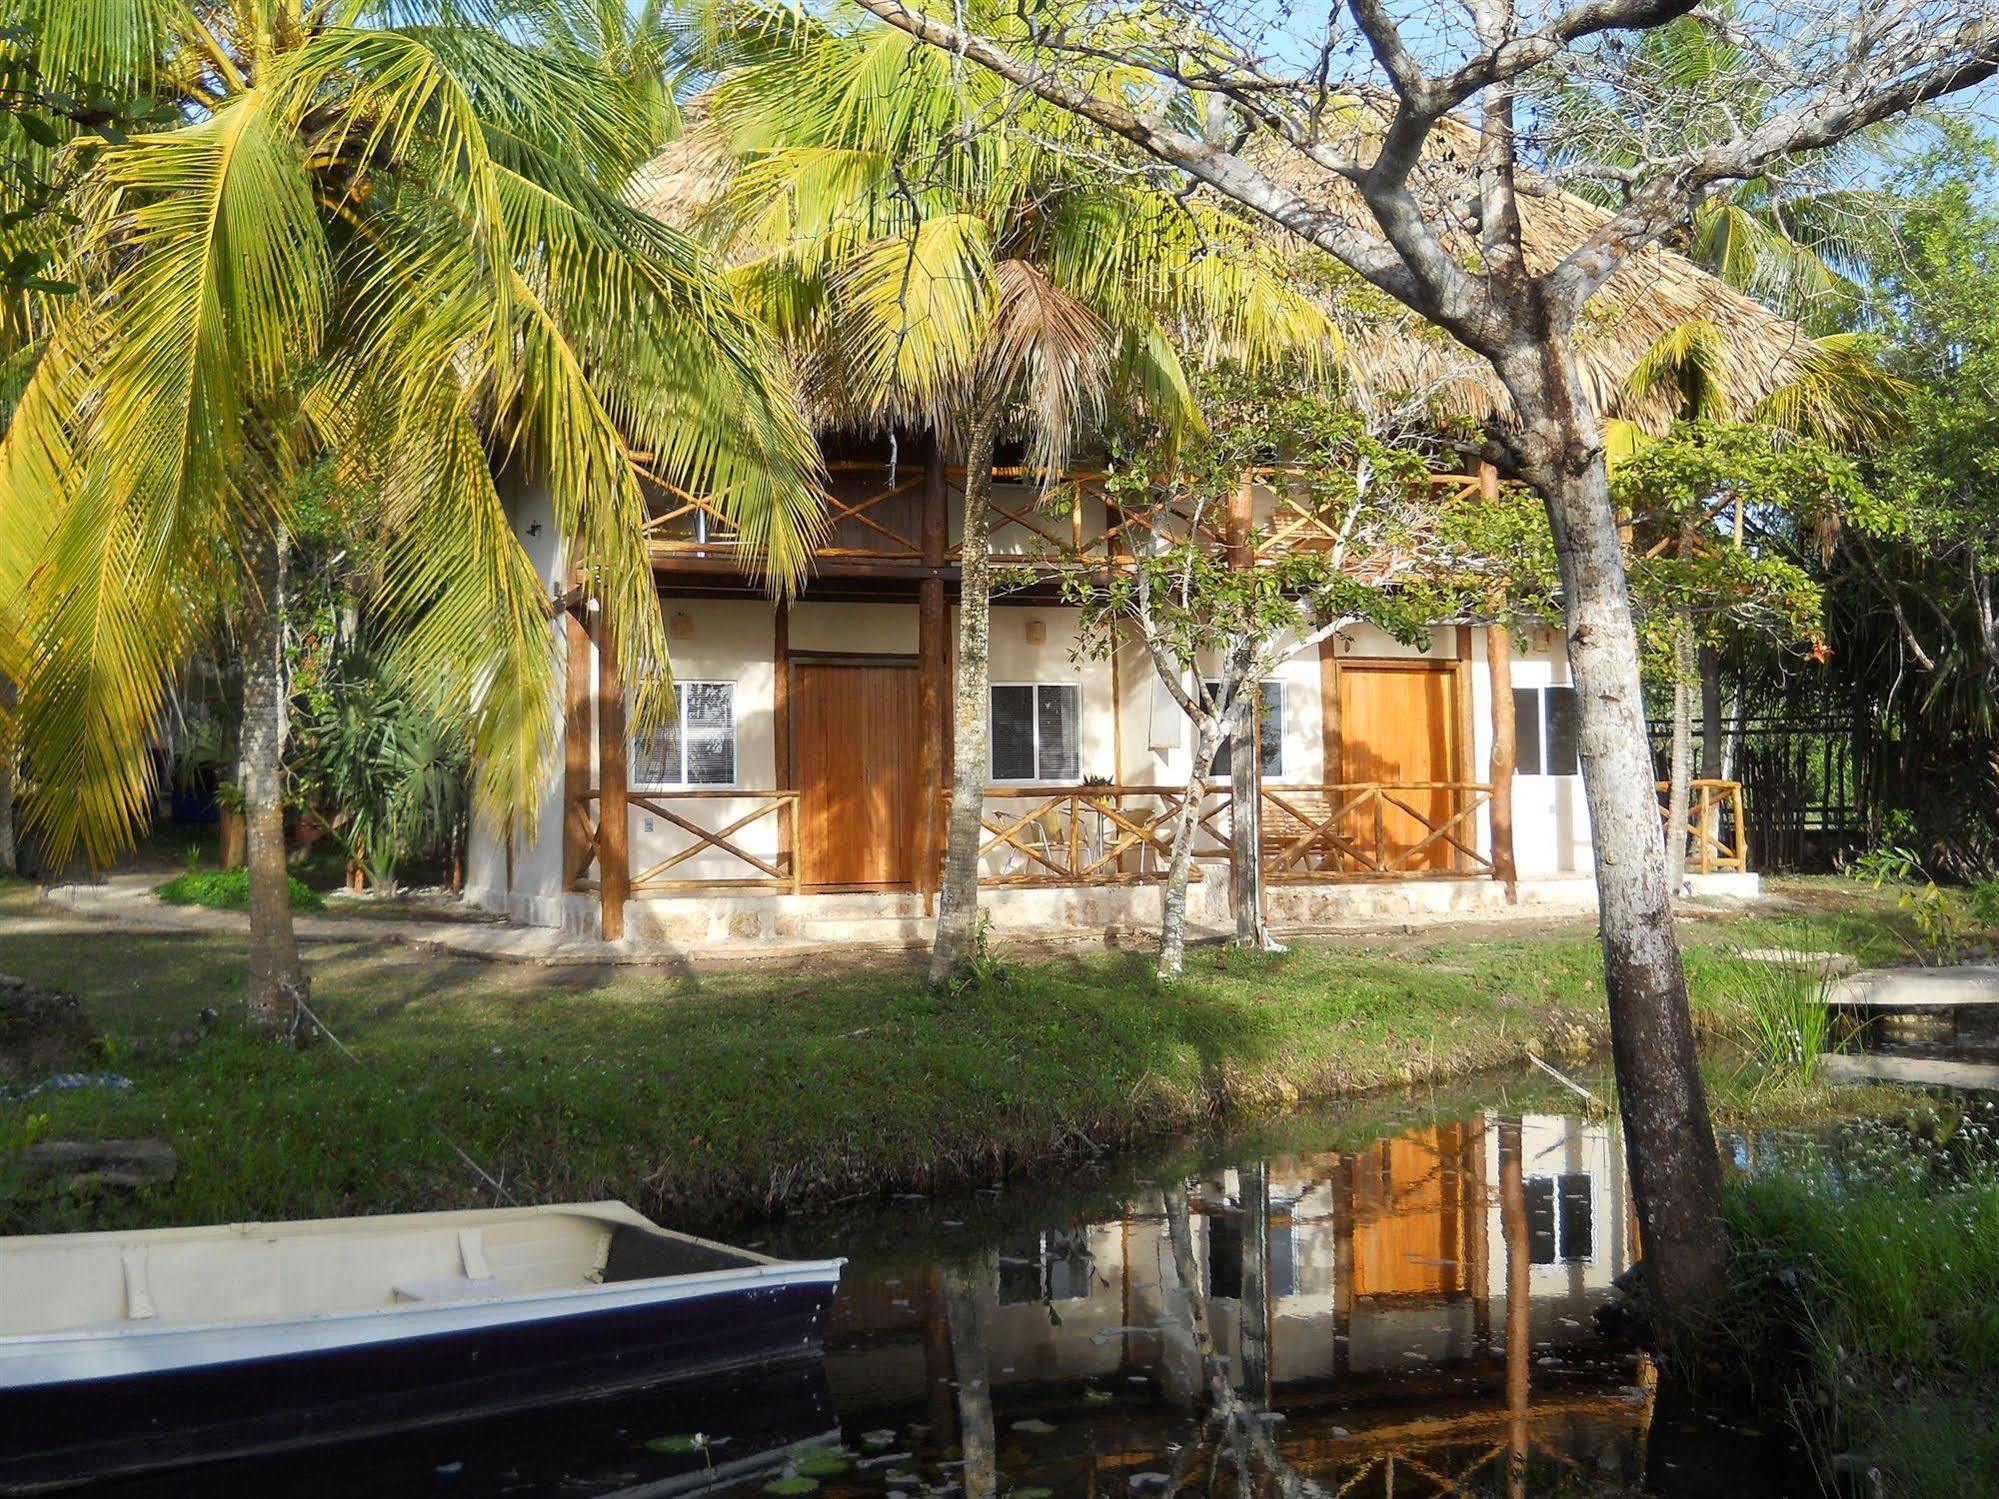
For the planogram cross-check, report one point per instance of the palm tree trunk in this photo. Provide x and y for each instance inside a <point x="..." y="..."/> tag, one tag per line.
<point x="1675" y="1167"/>
<point x="277" y="984"/>
<point x="1679" y="793"/>
<point x="9" y="854"/>
<point x="958" y="894"/>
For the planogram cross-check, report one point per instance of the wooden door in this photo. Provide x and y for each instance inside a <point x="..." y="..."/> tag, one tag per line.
<point x="854" y="743"/>
<point x="1399" y="721"/>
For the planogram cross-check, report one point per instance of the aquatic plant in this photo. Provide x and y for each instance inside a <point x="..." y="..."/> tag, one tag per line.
<point x="1787" y="1021"/>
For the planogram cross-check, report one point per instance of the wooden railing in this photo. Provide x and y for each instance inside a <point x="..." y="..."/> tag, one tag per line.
<point x="875" y="515"/>
<point x="1373" y="830"/>
<point x="746" y="869"/>
<point x="1089" y="835"/>
<point x="1717" y="836"/>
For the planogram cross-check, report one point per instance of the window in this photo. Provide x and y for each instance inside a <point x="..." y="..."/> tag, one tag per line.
<point x="1037" y="732"/>
<point x="1270" y="730"/>
<point x="696" y="746"/>
<point x="1544" y="730"/>
<point x="1559" y="1227"/>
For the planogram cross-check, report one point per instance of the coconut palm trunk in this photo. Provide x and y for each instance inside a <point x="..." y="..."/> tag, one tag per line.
<point x="9" y="852"/>
<point x="277" y="984"/>
<point x="958" y="895"/>
<point x="1679" y="780"/>
<point x="1675" y="1169"/>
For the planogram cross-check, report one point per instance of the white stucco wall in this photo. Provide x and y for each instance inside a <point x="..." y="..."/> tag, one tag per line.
<point x="529" y="894"/>
<point x="1123" y="737"/>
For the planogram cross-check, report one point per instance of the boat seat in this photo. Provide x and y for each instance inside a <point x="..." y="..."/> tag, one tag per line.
<point x="451" y="1288"/>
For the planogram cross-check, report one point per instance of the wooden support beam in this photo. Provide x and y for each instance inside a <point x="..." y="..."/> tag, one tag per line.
<point x="780" y="734"/>
<point x="578" y="729"/>
<point x="1505" y="756"/>
<point x="614" y="860"/>
<point x="1464" y="747"/>
<point x="1332" y="734"/>
<point x="933" y="679"/>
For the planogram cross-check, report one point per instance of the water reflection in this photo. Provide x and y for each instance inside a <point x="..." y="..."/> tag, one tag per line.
<point x="1408" y="1315"/>
<point x="1325" y="1320"/>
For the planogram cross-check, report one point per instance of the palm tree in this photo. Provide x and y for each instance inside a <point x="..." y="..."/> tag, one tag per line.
<point x="1786" y="237"/>
<point x="403" y="246"/>
<point x="941" y="252"/>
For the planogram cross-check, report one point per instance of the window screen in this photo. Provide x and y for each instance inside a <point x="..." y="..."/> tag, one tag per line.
<point x="1037" y="732"/>
<point x="1544" y="730"/>
<point x="1527" y="729"/>
<point x="696" y="746"/>
<point x="1013" y="733"/>
<point x="1561" y="754"/>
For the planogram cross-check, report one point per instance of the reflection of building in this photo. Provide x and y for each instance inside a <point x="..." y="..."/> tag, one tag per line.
<point x="1350" y="1281"/>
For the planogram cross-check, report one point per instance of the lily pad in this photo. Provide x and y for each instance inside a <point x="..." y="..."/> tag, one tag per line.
<point x="792" y="1483"/>
<point x="1033" y="1491"/>
<point x="684" y="1442"/>
<point x="1033" y="1427"/>
<point x="885" y="1437"/>
<point x="1098" y="1397"/>
<point x="823" y="1463"/>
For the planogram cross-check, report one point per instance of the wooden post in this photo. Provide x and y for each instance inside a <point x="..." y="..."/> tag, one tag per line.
<point x="1332" y="734"/>
<point x="1464" y="755"/>
<point x="933" y="680"/>
<point x="1505" y="747"/>
<point x="614" y="863"/>
<point x="578" y="728"/>
<point x="780" y="732"/>
<point x="1245" y="754"/>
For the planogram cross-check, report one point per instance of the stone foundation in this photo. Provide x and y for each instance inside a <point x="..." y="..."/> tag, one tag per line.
<point x="760" y="922"/>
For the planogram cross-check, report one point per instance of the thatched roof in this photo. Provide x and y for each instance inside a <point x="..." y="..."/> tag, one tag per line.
<point x="1392" y="352"/>
<point x="1391" y="355"/>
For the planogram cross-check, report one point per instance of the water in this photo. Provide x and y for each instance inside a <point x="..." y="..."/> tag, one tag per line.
<point x="1400" y="1302"/>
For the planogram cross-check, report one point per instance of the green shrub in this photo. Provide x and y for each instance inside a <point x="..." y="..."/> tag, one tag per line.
<point x="228" y="890"/>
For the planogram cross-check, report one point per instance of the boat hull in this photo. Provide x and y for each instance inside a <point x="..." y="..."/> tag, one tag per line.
<point x="82" y="1430"/>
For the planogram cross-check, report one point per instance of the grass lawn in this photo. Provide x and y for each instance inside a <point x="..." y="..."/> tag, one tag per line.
<point x="703" y="1096"/>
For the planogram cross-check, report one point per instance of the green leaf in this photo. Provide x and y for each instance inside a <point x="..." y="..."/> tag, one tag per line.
<point x="682" y="1443"/>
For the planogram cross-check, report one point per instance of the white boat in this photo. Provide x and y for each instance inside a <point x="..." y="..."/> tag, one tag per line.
<point x="125" y="1351"/>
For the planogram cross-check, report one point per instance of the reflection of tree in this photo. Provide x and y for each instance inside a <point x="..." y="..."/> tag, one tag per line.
<point x="1253" y="1332"/>
<point x="1233" y="1434"/>
<point x="965" y="1315"/>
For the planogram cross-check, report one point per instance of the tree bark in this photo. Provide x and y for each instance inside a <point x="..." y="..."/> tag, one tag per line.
<point x="1246" y="822"/>
<point x="276" y="985"/>
<point x="1180" y="863"/>
<point x="10" y="861"/>
<point x="1713" y="732"/>
<point x="1679" y="795"/>
<point x="958" y="894"/>
<point x="1675" y="1168"/>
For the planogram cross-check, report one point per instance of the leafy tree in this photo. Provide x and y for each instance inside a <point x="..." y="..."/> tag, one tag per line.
<point x="1411" y="152"/>
<point x="1914" y="615"/>
<point x="402" y="245"/>
<point x="1399" y="560"/>
<point x="940" y="252"/>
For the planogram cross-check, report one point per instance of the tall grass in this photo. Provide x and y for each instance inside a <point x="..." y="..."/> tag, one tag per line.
<point x="1788" y="1023"/>
<point x="1872" y="1261"/>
